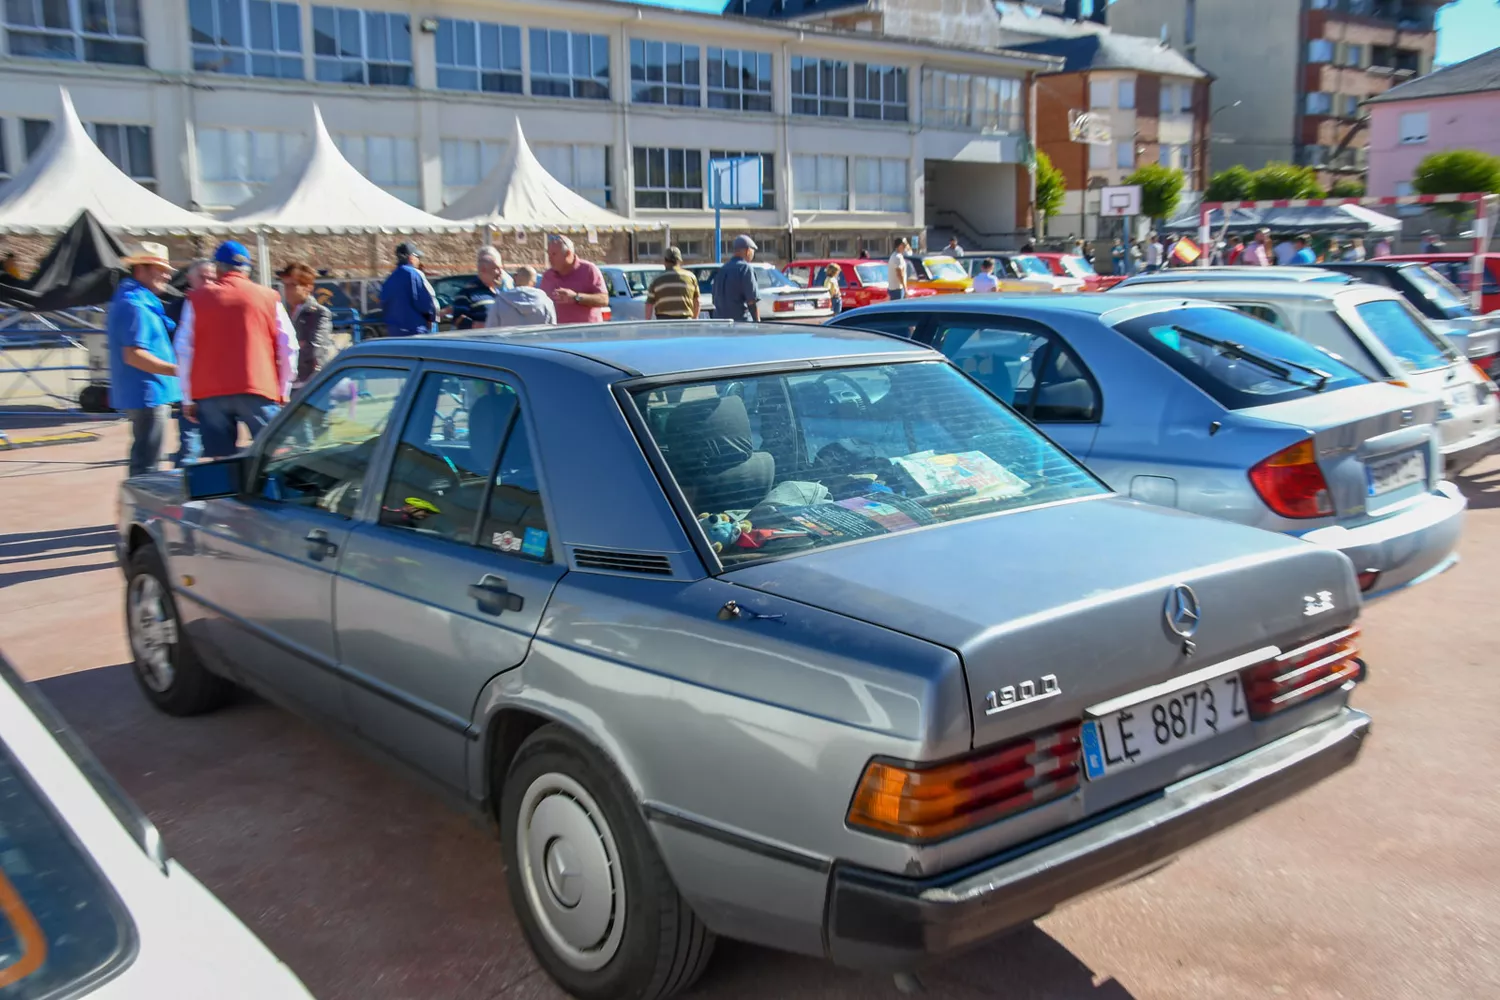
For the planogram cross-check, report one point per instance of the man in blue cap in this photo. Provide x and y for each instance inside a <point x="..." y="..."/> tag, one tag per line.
<point x="407" y="299"/>
<point x="736" y="295"/>
<point x="236" y="352"/>
<point x="142" y="365"/>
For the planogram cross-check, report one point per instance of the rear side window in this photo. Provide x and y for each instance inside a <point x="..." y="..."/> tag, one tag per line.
<point x="1237" y="360"/>
<point x="901" y="324"/>
<point x="1396" y="326"/>
<point x="61" y="926"/>
<point x="1030" y="369"/>
<point x="1263" y="313"/>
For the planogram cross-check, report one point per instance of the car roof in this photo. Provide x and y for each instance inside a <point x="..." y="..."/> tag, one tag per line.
<point x="1264" y="288"/>
<point x="837" y="260"/>
<point x="1407" y="258"/>
<point x="667" y="347"/>
<point x="1109" y="308"/>
<point x="1292" y="273"/>
<point x="638" y="266"/>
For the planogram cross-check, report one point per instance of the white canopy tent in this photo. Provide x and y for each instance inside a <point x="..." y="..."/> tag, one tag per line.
<point x="519" y="194"/>
<point x="70" y="174"/>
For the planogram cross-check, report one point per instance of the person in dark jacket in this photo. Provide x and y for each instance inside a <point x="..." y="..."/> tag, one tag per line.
<point x="407" y="299"/>
<point x="191" y="278"/>
<point x="472" y="303"/>
<point x="312" y="321"/>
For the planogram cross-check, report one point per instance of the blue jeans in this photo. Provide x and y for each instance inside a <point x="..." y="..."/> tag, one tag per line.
<point x="148" y="427"/>
<point x="897" y="293"/>
<point x="189" y="441"/>
<point x="219" y="418"/>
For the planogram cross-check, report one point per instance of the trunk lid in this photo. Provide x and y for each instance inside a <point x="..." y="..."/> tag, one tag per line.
<point x="1362" y="435"/>
<point x="1076" y="591"/>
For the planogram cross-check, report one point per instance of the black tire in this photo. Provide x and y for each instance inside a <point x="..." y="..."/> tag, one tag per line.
<point x="663" y="946"/>
<point x="155" y="632"/>
<point x="94" y="399"/>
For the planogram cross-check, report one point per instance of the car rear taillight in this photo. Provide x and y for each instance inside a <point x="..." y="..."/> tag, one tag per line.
<point x="782" y="306"/>
<point x="929" y="802"/>
<point x="1291" y="483"/>
<point x="1304" y="673"/>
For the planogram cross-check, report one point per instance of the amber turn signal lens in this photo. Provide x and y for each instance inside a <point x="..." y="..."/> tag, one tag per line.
<point x="929" y="803"/>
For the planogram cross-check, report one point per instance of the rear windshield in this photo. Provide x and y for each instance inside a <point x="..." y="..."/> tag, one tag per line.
<point x="945" y="269"/>
<point x="637" y="282"/>
<point x="1077" y="266"/>
<point x="61" y="926"/>
<point x="1238" y="360"/>
<point x="1033" y="265"/>
<point x="873" y="274"/>
<point x="1395" y="325"/>
<point x="1437" y="290"/>
<point x="768" y="277"/>
<point x="782" y="463"/>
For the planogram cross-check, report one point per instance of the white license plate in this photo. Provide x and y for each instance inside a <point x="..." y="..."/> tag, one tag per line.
<point x="1393" y="473"/>
<point x="1143" y="732"/>
<point x="1462" y="395"/>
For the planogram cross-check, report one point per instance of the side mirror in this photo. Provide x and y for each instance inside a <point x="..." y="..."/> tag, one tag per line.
<point x="224" y="477"/>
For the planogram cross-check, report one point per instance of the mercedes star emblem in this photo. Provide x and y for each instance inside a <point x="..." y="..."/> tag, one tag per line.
<point x="1182" y="610"/>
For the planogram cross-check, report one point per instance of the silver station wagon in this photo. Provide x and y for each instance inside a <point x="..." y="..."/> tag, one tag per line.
<point x="788" y="634"/>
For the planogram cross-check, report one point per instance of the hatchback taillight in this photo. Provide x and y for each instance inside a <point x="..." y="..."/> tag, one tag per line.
<point x="929" y="802"/>
<point x="1304" y="673"/>
<point x="1291" y="482"/>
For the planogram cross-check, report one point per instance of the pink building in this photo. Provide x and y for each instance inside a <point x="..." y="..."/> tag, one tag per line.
<point x="1454" y="108"/>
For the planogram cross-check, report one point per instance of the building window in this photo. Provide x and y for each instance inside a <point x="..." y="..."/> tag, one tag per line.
<point x="466" y="162"/>
<point x="880" y="185"/>
<point x="1168" y="99"/>
<point x="34" y="133"/>
<point x="583" y="168"/>
<point x="1125" y="154"/>
<point x="1319" y="103"/>
<point x="1101" y="94"/>
<point x="1319" y="50"/>
<point x="820" y="87"/>
<point x="767" y="172"/>
<point x="1185" y="97"/>
<point x="102" y="31"/>
<point x="388" y="161"/>
<point x="880" y="92"/>
<point x="982" y="103"/>
<point x="664" y="73"/>
<point x="820" y="182"/>
<point x="1127" y="94"/>
<point x="1350" y="107"/>
<point x="1190" y="23"/>
<point x="1354" y="55"/>
<point x="361" y="46"/>
<point x="804" y="246"/>
<point x="1413" y="128"/>
<point x="739" y="80"/>
<point x="233" y="164"/>
<point x="1164" y="155"/>
<point x="649" y="248"/>
<point x="569" y="64"/>
<point x="1098" y="156"/>
<point x="668" y="178"/>
<point x="129" y="148"/>
<point x="477" y="55"/>
<point x="246" y="38"/>
<point x="839" y="246"/>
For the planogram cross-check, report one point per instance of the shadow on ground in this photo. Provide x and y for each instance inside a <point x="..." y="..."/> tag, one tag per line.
<point x="371" y="887"/>
<point x="1481" y="488"/>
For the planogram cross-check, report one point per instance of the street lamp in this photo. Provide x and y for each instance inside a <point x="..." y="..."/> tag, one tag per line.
<point x="1224" y="107"/>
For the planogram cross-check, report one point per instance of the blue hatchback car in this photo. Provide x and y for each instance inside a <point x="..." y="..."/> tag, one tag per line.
<point x="1194" y="405"/>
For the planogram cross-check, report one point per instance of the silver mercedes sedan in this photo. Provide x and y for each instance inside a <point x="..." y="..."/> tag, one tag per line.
<point x="1194" y="405"/>
<point x="782" y="633"/>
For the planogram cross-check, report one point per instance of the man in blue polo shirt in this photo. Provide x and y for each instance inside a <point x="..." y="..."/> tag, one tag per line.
<point x="407" y="299"/>
<point x="142" y="363"/>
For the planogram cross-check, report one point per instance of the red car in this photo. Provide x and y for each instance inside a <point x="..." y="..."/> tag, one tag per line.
<point x="1071" y="265"/>
<point x="863" y="281"/>
<point x="1456" y="268"/>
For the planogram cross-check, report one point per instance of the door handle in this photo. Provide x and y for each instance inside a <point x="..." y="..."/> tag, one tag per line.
<point x="493" y="595"/>
<point x="319" y="545"/>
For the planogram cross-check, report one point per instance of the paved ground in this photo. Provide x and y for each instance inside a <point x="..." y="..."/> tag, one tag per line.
<point x="1382" y="883"/>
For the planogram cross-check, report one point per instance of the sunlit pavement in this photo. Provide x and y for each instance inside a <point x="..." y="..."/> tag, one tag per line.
<point x="1382" y="882"/>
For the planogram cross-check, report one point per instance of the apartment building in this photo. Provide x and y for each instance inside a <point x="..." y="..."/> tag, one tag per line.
<point x="205" y="101"/>
<point x="1457" y="107"/>
<point x="1291" y="75"/>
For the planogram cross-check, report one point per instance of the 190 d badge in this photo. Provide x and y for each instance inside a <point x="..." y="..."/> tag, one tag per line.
<point x="1316" y="604"/>
<point x="1025" y="693"/>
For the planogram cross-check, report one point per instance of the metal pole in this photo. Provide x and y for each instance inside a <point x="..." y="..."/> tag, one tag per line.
<point x="718" y="213"/>
<point x="1481" y="239"/>
<point x="262" y="258"/>
<point x="1205" y="234"/>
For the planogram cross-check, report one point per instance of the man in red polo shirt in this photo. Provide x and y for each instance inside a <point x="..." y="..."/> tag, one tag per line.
<point x="575" y="285"/>
<point x="236" y="354"/>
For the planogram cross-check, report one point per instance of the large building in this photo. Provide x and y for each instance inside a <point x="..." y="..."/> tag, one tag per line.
<point x="1458" y="107"/>
<point x="862" y="135"/>
<point x="1290" y="75"/>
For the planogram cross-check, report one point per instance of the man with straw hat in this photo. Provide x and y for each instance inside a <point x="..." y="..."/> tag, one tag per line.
<point x="142" y="364"/>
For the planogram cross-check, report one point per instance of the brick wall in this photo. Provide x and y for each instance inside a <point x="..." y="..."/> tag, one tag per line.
<point x="1056" y="95"/>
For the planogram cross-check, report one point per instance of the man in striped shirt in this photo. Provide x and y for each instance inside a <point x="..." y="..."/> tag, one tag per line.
<point x="674" y="292"/>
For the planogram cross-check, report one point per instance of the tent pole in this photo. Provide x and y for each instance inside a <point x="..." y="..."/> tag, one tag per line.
<point x="263" y="258"/>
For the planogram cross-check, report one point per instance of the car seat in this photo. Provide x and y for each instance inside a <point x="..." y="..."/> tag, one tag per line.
<point x="710" y="449"/>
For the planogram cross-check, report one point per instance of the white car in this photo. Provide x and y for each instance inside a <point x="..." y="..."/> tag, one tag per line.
<point x="779" y="297"/>
<point x="90" y="903"/>
<point x="627" y="284"/>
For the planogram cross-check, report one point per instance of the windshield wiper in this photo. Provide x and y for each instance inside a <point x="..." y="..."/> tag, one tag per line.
<point x="1282" y="369"/>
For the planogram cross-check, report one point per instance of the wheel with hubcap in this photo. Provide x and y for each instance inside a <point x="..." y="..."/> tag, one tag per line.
<point x="169" y="672"/>
<point x="594" y="898"/>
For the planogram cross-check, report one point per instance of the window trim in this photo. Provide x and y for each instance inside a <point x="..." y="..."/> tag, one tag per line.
<point x="248" y="50"/>
<point x="666" y="189"/>
<point x="364" y="46"/>
<point x="79" y="36"/>
<point x="742" y="94"/>
<point x="572" y="76"/>
<point x="693" y="91"/>
<point x="797" y="70"/>
<point x="1035" y="329"/>
<point x="864" y="70"/>
<point x="478" y="69"/>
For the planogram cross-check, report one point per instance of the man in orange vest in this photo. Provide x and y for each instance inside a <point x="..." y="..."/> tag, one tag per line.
<point x="236" y="354"/>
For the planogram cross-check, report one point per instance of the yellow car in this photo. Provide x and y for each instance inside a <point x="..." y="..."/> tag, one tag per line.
<point x="938" y="272"/>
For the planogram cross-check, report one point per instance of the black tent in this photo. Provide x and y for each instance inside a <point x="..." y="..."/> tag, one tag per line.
<point x="82" y="269"/>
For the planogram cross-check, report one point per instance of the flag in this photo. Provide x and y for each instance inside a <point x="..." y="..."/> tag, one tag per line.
<point x="1186" y="251"/>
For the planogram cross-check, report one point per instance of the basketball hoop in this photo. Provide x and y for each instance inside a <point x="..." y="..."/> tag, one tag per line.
<point x="1083" y="127"/>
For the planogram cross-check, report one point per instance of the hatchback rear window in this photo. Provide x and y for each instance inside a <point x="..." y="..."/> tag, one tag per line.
<point x="61" y="926"/>
<point x="1395" y="325"/>
<point x="1236" y="359"/>
<point x="873" y="274"/>
<point x="777" y="464"/>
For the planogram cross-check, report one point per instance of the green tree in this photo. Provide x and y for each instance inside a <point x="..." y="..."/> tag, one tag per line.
<point x="1050" y="186"/>
<point x="1457" y="171"/>
<point x="1161" y="189"/>
<point x="1347" y="188"/>
<point x="1284" y="180"/>
<point x="1229" y="185"/>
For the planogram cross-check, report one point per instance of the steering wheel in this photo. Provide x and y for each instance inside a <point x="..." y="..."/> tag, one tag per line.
<point x="864" y="397"/>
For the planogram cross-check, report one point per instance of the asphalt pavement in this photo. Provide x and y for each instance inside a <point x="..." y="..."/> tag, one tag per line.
<point x="1383" y="882"/>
